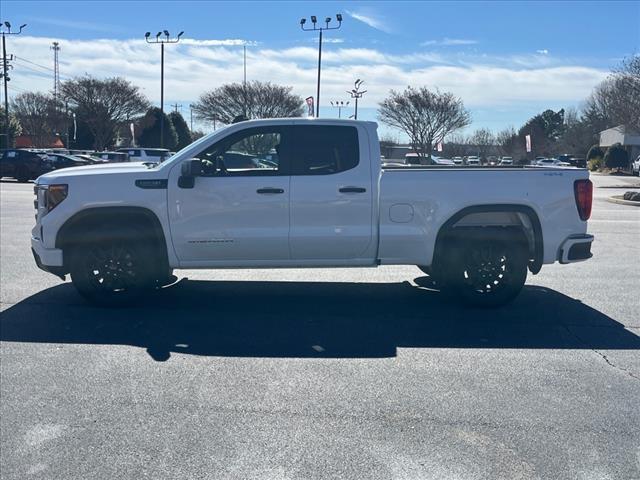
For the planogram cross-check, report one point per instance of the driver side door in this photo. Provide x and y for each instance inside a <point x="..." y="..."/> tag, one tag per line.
<point x="238" y="211"/>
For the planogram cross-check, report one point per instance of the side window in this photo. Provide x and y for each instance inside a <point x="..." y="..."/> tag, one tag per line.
<point x="251" y="152"/>
<point x="133" y="153"/>
<point x="324" y="150"/>
<point x="11" y="154"/>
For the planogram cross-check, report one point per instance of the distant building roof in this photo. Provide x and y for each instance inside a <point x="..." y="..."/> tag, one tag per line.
<point x="620" y="134"/>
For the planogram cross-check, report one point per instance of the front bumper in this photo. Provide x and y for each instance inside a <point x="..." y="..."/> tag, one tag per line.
<point x="576" y="248"/>
<point x="47" y="259"/>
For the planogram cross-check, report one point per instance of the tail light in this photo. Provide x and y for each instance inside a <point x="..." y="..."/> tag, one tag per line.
<point x="583" y="190"/>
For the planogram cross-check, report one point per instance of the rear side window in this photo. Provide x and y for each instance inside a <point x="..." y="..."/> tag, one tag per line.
<point x="156" y="153"/>
<point x="323" y="150"/>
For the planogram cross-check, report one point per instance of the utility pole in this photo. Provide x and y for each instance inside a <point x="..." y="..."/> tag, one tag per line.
<point x="56" y="70"/>
<point x="244" y="80"/>
<point x="175" y="107"/>
<point x="191" y="118"/>
<point x="162" y="41"/>
<point x="56" y="85"/>
<point x="356" y="93"/>
<point x="314" y="21"/>
<point x="6" y="30"/>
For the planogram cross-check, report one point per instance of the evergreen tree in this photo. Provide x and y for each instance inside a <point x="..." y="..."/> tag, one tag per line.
<point x="150" y="130"/>
<point x="182" y="130"/>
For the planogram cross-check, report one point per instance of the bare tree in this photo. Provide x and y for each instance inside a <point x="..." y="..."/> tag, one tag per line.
<point x="387" y="143"/>
<point x="425" y="116"/>
<point x="616" y="101"/>
<point x="37" y="114"/>
<point x="255" y="100"/>
<point x="455" y="145"/>
<point x="507" y="140"/>
<point x="483" y="140"/>
<point x="104" y="105"/>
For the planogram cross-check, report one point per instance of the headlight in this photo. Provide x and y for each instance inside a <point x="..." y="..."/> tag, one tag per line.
<point x="49" y="197"/>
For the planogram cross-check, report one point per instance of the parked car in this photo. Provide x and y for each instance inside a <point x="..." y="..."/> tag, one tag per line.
<point x="155" y="155"/>
<point x="552" y="162"/>
<point x="457" y="160"/>
<point x="506" y="161"/>
<point x="493" y="160"/>
<point x="473" y="160"/>
<point x="58" y="161"/>
<point x="443" y="162"/>
<point x="573" y="160"/>
<point x="112" y="157"/>
<point x="635" y="166"/>
<point x="476" y="232"/>
<point x="23" y="164"/>
<point x="89" y="158"/>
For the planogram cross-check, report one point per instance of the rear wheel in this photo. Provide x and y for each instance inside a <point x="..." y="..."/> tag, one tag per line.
<point x="113" y="272"/>
<point x="23" y="175"/>
<point x="487" y="268"/>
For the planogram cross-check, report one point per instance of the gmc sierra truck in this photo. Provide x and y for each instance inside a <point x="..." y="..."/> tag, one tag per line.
<point x="306" y="193"/>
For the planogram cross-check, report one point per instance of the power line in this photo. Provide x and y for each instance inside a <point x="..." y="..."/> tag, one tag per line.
<point x="34" y="63"/>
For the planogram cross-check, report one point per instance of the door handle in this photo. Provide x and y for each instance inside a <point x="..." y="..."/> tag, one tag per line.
<point x="352" y="190"/>
<point x="268" y="190"/>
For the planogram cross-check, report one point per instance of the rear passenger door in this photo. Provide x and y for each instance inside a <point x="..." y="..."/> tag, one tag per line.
<point x="331" y="193"/>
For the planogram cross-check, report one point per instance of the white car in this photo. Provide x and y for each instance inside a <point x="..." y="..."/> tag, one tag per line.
<point x="323" y="201"/>
<point x="457" y="160"/>
<point x="506" y="161"/>
<point x="473" y="160"/>
<point x="635" y="166"/>
<point x="155" y="155"/>
<point x="552" y="162"/>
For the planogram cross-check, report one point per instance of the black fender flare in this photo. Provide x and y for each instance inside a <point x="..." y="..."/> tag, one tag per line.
<point x="538" y="251"/>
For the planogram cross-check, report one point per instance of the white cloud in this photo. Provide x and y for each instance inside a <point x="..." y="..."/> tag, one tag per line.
<point x="214" y="43"/>
<point x="370" y="19"/>
<point x="543" y="52"/>
<point x="192" y="68"/>
<point x="447" y="42"/>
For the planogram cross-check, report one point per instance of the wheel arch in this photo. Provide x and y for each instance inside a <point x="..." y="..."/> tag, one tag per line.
<point x="80" y="227"/>
<point x="532" y="232"/>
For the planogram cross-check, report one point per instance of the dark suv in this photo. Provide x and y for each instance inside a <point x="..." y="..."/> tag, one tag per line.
<point x="23" y="165"/>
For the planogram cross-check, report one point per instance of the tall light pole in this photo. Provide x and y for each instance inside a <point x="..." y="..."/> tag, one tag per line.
<point x="314" y="21"/>
<point x="6" y="30"/>
<point x="162" y="41"/>
<point x="340" y="105"/>
<point x="356" y="93"/>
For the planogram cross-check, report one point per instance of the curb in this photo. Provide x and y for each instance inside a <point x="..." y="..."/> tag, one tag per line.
<point x="621" y="201"/>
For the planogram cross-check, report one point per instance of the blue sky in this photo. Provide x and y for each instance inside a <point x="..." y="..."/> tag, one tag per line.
<point x="507" y="61"/>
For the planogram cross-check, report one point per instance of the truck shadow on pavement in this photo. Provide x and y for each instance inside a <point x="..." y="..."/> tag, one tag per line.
<point x="310" y="320"/>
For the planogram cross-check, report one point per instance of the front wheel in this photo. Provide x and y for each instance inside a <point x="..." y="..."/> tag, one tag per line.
<point x="114" y="272"/>
<point x="487" y="270"/>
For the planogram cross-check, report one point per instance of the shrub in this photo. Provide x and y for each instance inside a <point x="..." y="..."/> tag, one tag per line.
<point x="595" y="152"/>
<point x="595" y="164"/>
<point x="616" y="157"/>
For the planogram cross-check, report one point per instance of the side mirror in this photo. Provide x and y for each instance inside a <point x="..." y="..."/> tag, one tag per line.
<point x="189" y="171"/>
<point x="192" y="168"/>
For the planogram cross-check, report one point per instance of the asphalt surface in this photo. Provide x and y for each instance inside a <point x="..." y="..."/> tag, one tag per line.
<point x="318" y="374"/>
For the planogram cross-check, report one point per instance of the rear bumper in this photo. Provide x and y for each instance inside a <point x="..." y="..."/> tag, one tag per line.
<point x="576" y="248"/>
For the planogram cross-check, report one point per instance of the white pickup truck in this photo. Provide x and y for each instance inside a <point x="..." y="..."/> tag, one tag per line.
<point x="306" y="193"/>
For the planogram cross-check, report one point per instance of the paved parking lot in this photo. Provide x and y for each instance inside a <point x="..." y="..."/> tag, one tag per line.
<point x="350" y="373"/>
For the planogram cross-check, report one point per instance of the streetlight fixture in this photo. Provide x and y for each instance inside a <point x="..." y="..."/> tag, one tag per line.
<point x="340" y="105"/>
<point x="162" y="41"/>
<point x="5" y="74"/>
<point x="356" y="93"/>
<point x="320" y="29"/>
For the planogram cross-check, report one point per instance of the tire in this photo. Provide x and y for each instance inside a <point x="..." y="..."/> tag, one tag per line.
<point x="486" y="269"/>
<point x="113" y="272"/>
<point x="23" y="175"/>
